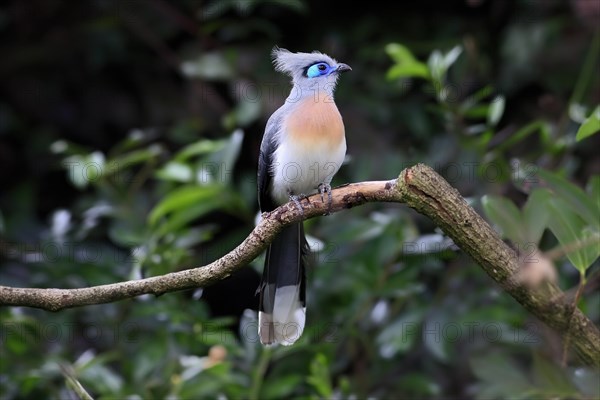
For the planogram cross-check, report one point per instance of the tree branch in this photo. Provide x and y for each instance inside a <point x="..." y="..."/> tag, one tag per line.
<point x="421" y="188"/>
<point x="428" y="193"/>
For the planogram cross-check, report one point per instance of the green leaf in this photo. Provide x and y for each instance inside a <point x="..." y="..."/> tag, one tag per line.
<point x="209" y="66"/>
<point x="535" y="215"/>
<point x="199" y="148"/>
<point x="476" y="97"/>
<point x="439" y="64"/>
<point x="245" y="112"/>
<point x="496" y="110"/>
<point x="282" y="387"/>
<point x="73" y="384"/>
<point x="436" y="331"/>
<point x="451" y="56"/>
<point x="552" y="380"/>
<point x="400" y="335"/>
<point x="500" y="376"/>
<point x="400" y="53"/>
<point x="182" y="198"/>
<point x="126" y="232"/>
<point x="83" y="170"/>
<point x="407" y="66"/>
<point x="407" y="71"/>
<point x="593" y="188"/>
<point x="590" y="126"/>
<point x="101" y="378"/>
<point x="574" y="196"/>
<point x="437" y="68"/>
<point x="319" y="377"/>
<point x="477" y="111"/>
<point x="230" y="153"/>
<point x="175" y="171"/>
<point x="416" y="385"/>
<point x="134" y="139"/>
<point x="570" y="229"/>
<point x="136" y="157"/>
<point x="506" y="216"/>
<point x="225" y="200"/>
<point x="180" y="218"/>
<point x="524" y="132"/>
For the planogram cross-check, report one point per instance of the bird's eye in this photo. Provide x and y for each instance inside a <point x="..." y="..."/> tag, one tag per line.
<point x="318" y="69"/>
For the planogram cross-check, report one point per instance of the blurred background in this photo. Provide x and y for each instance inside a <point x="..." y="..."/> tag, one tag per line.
<point x="129" y="136"/>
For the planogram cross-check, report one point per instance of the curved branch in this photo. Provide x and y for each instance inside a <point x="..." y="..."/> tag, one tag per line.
<point x="421" y="188"/>
<point x="57" y="299"/>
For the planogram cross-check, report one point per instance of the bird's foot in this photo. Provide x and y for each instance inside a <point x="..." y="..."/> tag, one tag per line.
<point x="296" y="198"/>
<point x="326" y="188"/>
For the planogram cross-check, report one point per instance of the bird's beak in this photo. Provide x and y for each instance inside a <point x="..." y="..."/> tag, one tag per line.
<point x="341" y="67"/>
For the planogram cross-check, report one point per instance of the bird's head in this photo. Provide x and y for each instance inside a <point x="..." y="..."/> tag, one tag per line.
<point x="309" y="70"/>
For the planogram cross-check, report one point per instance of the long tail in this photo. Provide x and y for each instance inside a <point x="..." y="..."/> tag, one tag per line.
<point x="282" y="309"/>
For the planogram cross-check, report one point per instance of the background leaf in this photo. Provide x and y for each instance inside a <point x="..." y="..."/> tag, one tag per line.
<point x="319" y="376"/>
<point x="183" y="198"/>
<point x="575" y="198"/>
<point x="406" y="65"/>
<point x="535" y="215"/>
<point x="496" y="109"/>
<point x="504" y="214"/>
<point x="500" y="376"/>
<point x="590" y="126"/>
<point x="568" y="228"/>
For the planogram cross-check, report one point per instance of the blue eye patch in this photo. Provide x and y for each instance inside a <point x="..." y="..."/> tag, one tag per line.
<point x="318" y="69"/>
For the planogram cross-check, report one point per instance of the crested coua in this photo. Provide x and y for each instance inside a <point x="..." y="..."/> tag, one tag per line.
<point x="303" y="147"/>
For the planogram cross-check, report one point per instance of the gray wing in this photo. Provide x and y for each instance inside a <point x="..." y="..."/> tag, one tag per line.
<point x="265" y="161"/>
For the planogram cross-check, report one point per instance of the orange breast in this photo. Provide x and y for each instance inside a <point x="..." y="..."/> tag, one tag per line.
<point x="316" y="121"/>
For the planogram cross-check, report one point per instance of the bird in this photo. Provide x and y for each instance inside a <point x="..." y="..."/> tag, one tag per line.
<point x="303" y="147"/>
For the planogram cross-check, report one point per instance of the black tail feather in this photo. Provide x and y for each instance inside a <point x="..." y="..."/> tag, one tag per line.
<point x="284" y="270"/>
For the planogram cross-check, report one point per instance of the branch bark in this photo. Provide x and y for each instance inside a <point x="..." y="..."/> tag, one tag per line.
<point x="421" y="188"/>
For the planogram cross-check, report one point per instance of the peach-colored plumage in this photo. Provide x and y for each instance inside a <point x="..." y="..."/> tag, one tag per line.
<point x="315" y="123"/>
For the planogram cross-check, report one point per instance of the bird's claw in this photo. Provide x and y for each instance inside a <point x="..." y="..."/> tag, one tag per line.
<point x="325" y="187"/>
<point x="296" y="199"/>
